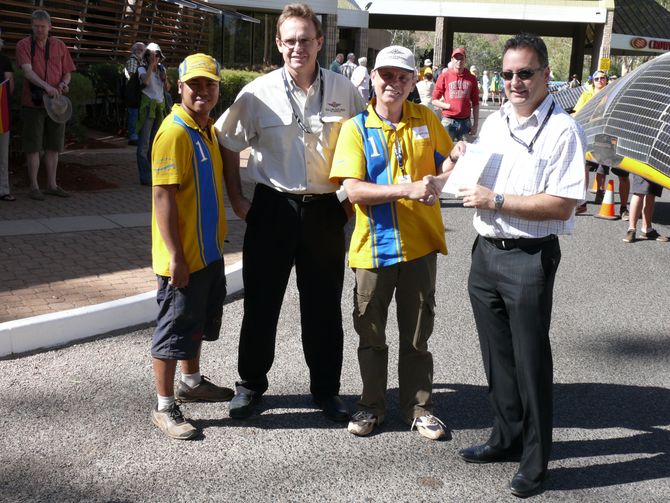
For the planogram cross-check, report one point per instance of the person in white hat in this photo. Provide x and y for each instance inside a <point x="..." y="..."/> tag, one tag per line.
<point x="34" y="54"/>
<point x="153" y="77"/>
<point x="188" y="231"/>
<point x="426" y="68"/>
<point x="395" y="186"/>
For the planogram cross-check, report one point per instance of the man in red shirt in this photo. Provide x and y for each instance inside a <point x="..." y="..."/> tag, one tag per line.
<point x="456" y="94"/>
<point x="46" y="65"/>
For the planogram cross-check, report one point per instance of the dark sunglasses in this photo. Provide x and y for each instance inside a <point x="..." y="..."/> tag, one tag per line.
<point x="522" y="74"/>
<point x="600" y="78"/>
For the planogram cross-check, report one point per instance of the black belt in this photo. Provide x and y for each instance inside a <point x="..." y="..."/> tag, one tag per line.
<point x="301" y="198"/>
<point x="512" y="243"/>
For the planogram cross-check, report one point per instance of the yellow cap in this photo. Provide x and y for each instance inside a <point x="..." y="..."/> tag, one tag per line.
<point x="199" y="65"/>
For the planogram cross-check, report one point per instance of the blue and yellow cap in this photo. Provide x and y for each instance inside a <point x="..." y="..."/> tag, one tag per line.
<point x="199" y="65"/>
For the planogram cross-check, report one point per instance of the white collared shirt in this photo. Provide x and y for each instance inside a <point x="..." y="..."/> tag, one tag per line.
<point x="555" y="167"/>
<point x="282" y="155"/>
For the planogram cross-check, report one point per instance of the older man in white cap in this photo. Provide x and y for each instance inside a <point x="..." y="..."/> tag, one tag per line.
<point x="391" y="159"/>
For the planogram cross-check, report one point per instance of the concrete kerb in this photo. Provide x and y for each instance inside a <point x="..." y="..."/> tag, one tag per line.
<point x="57" y="329"/>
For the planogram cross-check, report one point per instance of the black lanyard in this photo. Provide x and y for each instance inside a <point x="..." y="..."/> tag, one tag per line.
<point x="529" y="147"/>
<point x="46" y="55"/>
<point x="397" y="148"/>
<point x="301" y="124"/>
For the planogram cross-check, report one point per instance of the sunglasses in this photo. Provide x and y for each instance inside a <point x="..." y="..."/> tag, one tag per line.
<point x="524" y="74"/>
<point x="599" y="78"/>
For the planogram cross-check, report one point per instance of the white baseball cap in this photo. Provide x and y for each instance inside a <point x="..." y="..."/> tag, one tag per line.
<point x="395" y="56"/>
<point x="427" y="62"/>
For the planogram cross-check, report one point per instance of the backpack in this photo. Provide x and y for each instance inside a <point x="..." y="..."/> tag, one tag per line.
<point x="132" y="91"/>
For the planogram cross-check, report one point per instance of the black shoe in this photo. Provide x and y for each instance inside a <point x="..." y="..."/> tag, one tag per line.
<point x="522" y="487"/>
<point x="487" y="454"/>
<point x="242" y="404"/>
<point x="333" y="408"/>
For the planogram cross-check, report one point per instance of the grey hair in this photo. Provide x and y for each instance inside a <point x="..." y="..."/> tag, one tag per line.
<point x="41" y="15"/>
<point x="363" y="61"/>
<point x="135" y="49"/>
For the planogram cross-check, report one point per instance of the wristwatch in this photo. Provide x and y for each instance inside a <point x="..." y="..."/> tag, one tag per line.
<point x="498" y="201"/>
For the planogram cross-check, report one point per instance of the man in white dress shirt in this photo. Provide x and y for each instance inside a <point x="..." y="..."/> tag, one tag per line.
<point x="532" y="179"/>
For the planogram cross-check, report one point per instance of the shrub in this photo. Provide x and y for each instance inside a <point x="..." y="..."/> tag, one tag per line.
<point x="232" y="82"/>
<point x="105" y="78"/>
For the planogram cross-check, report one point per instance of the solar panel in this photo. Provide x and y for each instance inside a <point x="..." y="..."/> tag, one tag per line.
<point x="566" y="96"/>
<point x="633" y="112"/>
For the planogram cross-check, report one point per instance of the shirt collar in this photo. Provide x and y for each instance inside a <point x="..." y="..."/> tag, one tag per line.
<point x="316" y="85"/>
<point x="536" y="117"/>
<point x="190" y="121"/>
<point x="373" y="120"/>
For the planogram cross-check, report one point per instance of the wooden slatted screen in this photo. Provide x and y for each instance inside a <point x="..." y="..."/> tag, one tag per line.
<point x="102" y="31"/>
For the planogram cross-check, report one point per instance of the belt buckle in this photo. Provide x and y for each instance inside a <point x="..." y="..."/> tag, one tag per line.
<point x="307" y="198"/>
<point x="503" y="243"/>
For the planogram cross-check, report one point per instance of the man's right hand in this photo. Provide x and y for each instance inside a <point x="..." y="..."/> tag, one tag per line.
<point x="179" y="273"/>
<point x="424" y="191"/>
<point x="51" y="91"/>
<point x="241" y="207"/>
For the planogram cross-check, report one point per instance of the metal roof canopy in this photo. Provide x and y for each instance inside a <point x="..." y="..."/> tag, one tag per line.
<point x="420" y="14"/>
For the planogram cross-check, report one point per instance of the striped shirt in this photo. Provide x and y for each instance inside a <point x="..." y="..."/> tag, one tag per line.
<point x="403" y="230"/>
<point x="555" y="167"/>
<point x="185" y="155"/>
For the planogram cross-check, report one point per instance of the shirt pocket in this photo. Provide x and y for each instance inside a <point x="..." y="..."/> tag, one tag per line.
<point x="274" y="130"/>
<point x="330" y="130"/>
<point x="536" y="180"/>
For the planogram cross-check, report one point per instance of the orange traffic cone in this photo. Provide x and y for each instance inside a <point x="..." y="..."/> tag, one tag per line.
<point x="607" y="207"/>
<point x="594" y="187"/>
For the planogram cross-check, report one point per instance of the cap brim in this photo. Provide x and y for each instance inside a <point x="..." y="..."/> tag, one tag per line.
<point x="195" y="74"/>
<point x="401" y="67"/>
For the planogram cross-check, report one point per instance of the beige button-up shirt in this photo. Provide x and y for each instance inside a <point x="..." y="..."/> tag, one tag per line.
<point x="283" y="156"/>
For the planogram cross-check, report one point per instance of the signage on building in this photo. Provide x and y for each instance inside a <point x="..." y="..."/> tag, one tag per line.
<point x="634" y="43"/>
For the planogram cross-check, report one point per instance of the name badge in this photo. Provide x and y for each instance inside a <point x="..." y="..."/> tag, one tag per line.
<point x="404" y="179"/>
<point x="421" y="132"/>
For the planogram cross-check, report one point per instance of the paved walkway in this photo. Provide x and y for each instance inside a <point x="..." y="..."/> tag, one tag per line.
<point x="90" y="248"/>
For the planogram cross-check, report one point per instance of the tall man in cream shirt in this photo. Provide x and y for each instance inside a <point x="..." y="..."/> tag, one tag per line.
<point x="291" y="119"/>
<point x="532" y="178"/>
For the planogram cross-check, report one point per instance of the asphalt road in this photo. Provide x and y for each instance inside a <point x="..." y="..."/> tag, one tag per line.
<point x="74" y="422"/>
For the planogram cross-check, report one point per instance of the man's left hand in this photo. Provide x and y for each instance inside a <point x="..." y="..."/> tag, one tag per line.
<point x="63" y="88"/>
<point x="477" y="197"/>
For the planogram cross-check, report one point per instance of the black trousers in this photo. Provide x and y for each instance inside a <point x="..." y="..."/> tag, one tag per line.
<point x="283" y="232"/>
<point x="511" y="292"/>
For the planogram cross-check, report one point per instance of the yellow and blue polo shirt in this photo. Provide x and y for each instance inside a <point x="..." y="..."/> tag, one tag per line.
<point x="403" y="230"/>
<point x="184" y="155"/>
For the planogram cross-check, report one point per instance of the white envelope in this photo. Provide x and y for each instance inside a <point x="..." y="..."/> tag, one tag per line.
<point x="468" y="169"/>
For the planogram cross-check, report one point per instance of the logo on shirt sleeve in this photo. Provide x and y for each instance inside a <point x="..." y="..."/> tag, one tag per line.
<point x="164" y="164"/>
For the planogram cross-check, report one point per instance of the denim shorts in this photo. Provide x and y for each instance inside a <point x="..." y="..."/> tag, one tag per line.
<point x="189" y="315"/>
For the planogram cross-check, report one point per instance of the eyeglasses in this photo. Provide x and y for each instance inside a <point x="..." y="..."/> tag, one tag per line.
<point x="402" y="76"/>
<point x="291" y="43"/>
<point x="600" y="78"/>
<point x="524" y="74"/>
<point x="458" y="57"/>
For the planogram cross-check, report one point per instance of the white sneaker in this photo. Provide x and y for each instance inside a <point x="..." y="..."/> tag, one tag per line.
<point x="172" y="423"/>
<point x="362" y="423"/>
<point x="430" y="427"/>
